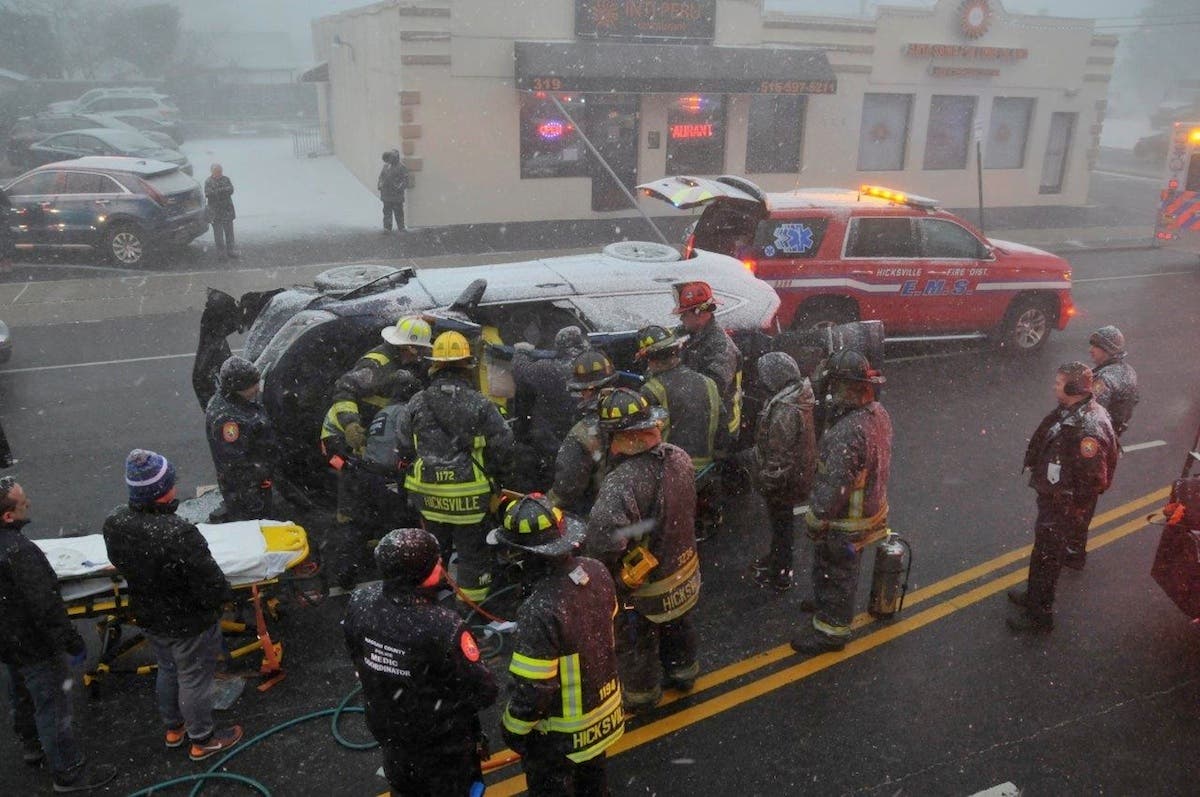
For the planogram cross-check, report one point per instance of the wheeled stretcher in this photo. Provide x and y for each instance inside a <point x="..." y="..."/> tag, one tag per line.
<point x="255" y="555"/>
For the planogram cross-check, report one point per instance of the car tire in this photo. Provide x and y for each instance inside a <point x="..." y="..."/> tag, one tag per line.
<point x="1026" y="326"/>
<point x="346" y="278"/>
<point x="825" y="312"/>
<point x="125" y="245"/>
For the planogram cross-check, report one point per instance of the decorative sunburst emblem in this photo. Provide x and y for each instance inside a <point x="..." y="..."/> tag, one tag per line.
<point x="606" y="13"/>
<point x="880" y="132"/>
<point x="974" y="17"/>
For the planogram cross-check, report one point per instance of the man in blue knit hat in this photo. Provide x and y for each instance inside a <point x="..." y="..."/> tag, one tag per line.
<point x="177" y="590"/>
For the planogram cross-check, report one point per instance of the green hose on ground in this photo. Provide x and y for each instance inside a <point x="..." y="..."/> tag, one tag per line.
<point x="213" y="774"/>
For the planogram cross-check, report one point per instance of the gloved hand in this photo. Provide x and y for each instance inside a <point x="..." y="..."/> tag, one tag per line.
<point x="356" y="436"/>
<point x="517" y="743"/>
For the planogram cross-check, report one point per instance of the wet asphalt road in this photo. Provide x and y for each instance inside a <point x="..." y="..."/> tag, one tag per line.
<point x="942" y="701"/>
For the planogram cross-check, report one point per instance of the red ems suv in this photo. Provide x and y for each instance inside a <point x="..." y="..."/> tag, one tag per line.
<point x="838" y="255"/>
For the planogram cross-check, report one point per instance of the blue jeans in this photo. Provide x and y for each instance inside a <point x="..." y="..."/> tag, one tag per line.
<point x="184" y="686"/>
<point x="41" y="709"/>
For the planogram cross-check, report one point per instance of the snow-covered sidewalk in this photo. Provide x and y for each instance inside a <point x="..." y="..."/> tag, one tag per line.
<point x="283" y="198"/>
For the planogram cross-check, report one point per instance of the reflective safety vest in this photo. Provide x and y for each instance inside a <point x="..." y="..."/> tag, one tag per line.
<point x="659" y="390"/>
<point x="590" y="732"/>
<point x="491" y="335"/>
<point x="448" y="497"/>
<point x="668" y="598"/>
<point x="331" y="426"/>
<point x="735" y="407"/>
<point x="375" y="400"/>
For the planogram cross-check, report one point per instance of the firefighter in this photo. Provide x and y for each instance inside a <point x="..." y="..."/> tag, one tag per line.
<point x="848" y="506"/>
<point x="643" y="526"/>
<point x="242" y="442"/>
<point x="460" y="450"/>
<point x="783" y="459"/>
<point x="1070" y="460"/>
<point x="564" y="709"/>
<point x="423" y="680"/>
<point x="543" y="382"/>
<point x="709" y="349"/>
<point x="1114" y="382"/>
<point x="358" y="394"/>
<point x="582" y="458"/>
<point x="695" y="418"/>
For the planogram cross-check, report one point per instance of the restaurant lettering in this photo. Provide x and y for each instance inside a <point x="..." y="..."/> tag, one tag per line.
<point x="966" y="51"/>
<point x="645" y="19"/>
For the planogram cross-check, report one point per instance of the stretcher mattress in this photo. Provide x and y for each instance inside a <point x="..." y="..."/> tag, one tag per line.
<point x="248" y="552"/>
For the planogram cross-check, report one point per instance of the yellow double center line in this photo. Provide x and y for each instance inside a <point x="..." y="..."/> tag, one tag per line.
<point x="789" y="675"/>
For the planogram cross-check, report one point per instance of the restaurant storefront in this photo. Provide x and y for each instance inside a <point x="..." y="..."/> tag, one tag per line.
<point x="490" y="102"/>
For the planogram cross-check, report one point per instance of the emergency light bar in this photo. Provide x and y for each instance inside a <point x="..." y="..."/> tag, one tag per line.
<point x="1194" y="135"/>
<point x="899" y="197"/>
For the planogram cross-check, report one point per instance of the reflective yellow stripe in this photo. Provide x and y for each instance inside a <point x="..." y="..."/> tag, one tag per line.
<point x="448" y="489"/>
<point x="659" y="391"/>
<point x="536" y="669"/>
<point x="828" y="629"/>
<point x="735" y="413"/>
<point x="378" y="357"/>
<point x="581" y="722"/>
<point x="714" y="415"/>
<point x="378" y="402"/>
<point x="476" y="594"/>
<point x="519" y="727"/>
<point x="856" y="495"/>
<point x="332" y="424"/>
<point x="491" y="335"/>
<point x="572" y="685"/>
<point x="591" y="752"/>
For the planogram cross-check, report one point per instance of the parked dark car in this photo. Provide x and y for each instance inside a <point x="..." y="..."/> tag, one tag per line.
<point x="125" y="208"/>
<point x="104" y="141"/>
<point x="29" y="130"/>
<point x="148" y="124"/>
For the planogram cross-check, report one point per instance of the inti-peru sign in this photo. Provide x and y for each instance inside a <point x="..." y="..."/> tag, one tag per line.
<point x="655" y="20"/>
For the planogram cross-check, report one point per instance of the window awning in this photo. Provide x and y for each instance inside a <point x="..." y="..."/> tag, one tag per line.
<point x="317" y="74"/>
<point x="671" y="69"/>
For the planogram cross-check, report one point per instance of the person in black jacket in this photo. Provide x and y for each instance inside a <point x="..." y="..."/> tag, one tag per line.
<point x="221" y="318"/>
<point x="176" y="590"/>
<point x="242" y="443"/>
<point x="36" y="639"/>
<point x="423" y="679"/>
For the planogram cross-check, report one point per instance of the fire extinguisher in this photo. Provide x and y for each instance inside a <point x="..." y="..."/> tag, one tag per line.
<point x="889" y="578"/>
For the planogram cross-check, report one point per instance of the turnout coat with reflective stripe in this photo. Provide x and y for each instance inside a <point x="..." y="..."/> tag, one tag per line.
<point x="372" y="384"/>
<point x="657" y="486"/>
<point x="713" y="353"/>
<point x="853" y="463"/>
<point x="695" y="415"/>
<point x="564" y="668"/>
<point x="460" y="448"/>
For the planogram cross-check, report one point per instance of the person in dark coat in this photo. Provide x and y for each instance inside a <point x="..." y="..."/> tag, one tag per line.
<point x="36" y="641"/>
<point x="1114" y="382"/>
<point x="783" y="460"/>
<point x="242" y="442"/>
<point x="392" y="183"/>
<point x="695" y="418"/>
<point x="848" y="508"/>
<point x="551" y="408"/>
<point x="218" y="190"/>
<point x="176" y="590"/>
<point x="1070" y="459"/>
<point x="643" y="527"/>
<point x="582" y="459"/>
<point x="423" y="679"/>
<point x="565" y="702"/>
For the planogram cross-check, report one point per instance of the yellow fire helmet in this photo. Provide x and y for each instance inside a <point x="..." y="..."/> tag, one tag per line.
<point x="450" y="347"/>
<point x="625" y="410"/>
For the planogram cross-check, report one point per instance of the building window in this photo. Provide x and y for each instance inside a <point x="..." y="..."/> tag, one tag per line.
<point x="775" y="133"/>
<point x="550" y="145"/>
<point x="696" y="135"/>
<point x="884" y="132"/>
<point x="1007" y="133"/>
<point x="949" y="133"/>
